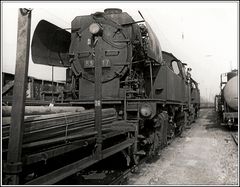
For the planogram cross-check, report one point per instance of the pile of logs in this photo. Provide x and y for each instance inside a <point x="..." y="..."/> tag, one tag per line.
<point x="52" y="129"/>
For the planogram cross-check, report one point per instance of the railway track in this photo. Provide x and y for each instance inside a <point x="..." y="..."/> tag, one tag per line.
<point x="103" y="174"/>
<point x="235" y="137"/>
<point x="122" y="178"/>
<point x="108" y="172"/>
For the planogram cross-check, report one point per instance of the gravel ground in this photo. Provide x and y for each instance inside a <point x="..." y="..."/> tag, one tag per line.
<point x="205" y="154"/>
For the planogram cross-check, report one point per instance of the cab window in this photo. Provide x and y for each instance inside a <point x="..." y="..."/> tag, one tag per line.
<point x="175" y="67"/>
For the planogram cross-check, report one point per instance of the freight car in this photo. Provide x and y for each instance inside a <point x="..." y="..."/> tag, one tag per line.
<point x="226" y="103"/>
<point x="139" y="97"/>
<point x="37" y="89"/>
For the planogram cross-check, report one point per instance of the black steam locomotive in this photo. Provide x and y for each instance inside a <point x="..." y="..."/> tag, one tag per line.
<point x="113" y="62"/>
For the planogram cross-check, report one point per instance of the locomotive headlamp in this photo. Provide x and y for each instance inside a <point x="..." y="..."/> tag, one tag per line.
<point x="146" y="110"/>
<point x="95" y="28"/>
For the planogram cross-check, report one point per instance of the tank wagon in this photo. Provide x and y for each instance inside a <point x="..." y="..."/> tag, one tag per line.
<point x="137" y="96"/>
<point x="226" y="103"/>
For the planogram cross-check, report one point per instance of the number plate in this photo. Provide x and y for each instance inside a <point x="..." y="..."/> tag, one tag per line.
<point x="88" y="64"/>
<point x="91" y="64"/>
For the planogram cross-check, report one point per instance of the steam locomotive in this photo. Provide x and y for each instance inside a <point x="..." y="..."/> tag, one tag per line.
<point x="226" y="103"/>
<point x="114" y="65"/>
<point x="149" y="85"/>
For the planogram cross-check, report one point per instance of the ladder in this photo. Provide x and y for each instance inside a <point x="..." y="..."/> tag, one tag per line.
<point x="131" y="109"/>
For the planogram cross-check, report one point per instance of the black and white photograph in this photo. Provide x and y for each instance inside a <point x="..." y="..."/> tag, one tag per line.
<point x="130" y="93"/>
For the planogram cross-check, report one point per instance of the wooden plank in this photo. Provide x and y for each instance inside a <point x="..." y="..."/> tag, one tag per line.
<point x="75" y="144"/>
<point x="61" y="173"/>
<point x="53" y="152"/>
<point x="57" y="121"/>
<point x="65" y="130"/>
<point x="39" y="110"/>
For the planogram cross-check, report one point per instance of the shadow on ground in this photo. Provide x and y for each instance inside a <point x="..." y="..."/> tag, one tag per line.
<point x="215" y="123"/>
<point x="153" y="159"/>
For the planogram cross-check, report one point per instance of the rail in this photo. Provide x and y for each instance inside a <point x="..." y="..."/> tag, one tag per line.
<point x="235" y="137"/>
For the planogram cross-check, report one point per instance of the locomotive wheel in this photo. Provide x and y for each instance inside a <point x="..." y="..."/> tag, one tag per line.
<point x="171" y="131"/>
<point x="132" y="150"/>
<point x="159" y="135"/>
<point x="180" y="123"/>
<point x="134" y="157"/>
<point x="180" y="127"/>
<point x="178" y="130"/>
<point x="156" y="144"/>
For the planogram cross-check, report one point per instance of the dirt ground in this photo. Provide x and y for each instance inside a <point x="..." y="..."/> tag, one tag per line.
<point x="205" y="154"/>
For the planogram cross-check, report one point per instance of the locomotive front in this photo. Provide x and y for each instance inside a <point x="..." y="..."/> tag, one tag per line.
<point x="111" y="39"/>
<point x="101" y="38"/>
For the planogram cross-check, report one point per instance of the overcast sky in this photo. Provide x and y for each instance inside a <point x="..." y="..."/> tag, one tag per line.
<point x="204" y="35"/>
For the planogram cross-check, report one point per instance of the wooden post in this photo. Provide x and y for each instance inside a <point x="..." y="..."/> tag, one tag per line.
<point x="14" y="165"/>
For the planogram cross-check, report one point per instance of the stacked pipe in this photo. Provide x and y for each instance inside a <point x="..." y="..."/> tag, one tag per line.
<point x="50" y="129"/>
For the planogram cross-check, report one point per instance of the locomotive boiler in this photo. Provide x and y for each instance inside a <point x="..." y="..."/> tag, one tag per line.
<point x="227" y="100"/>
<point x="138" y="96"/>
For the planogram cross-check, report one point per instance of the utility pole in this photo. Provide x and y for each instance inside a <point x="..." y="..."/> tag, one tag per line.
<point x="13" y="166"/>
